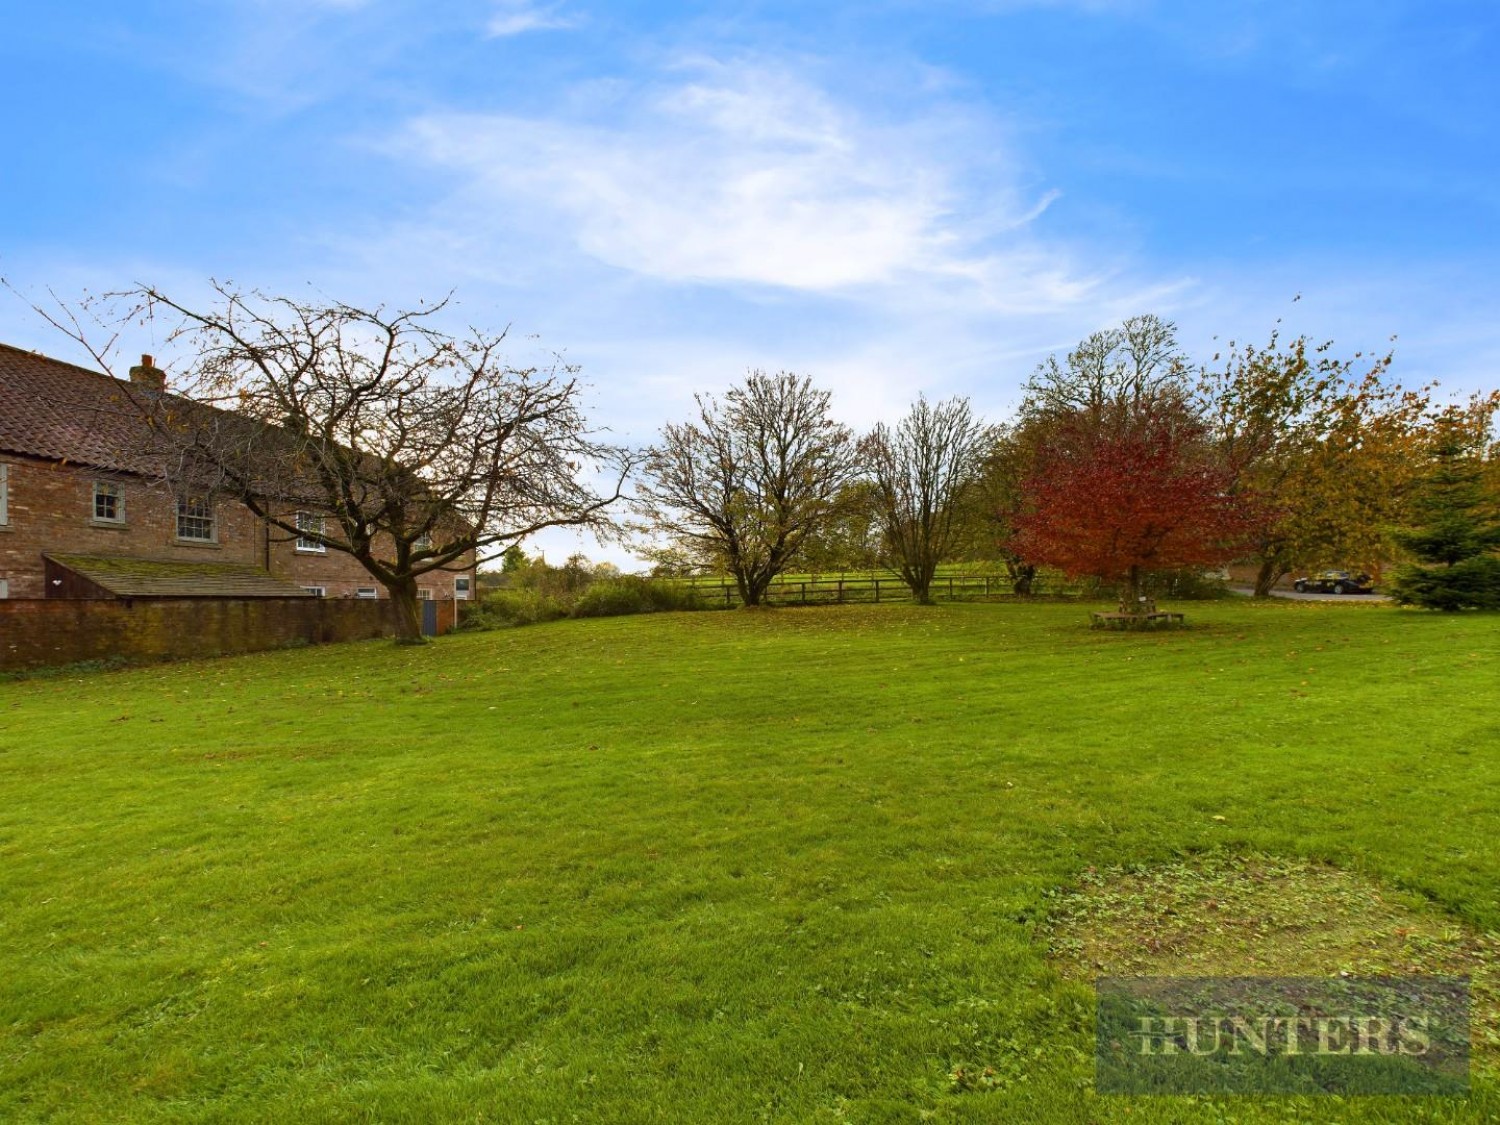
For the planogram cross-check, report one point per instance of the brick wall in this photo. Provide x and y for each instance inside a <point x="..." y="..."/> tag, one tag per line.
<point x="342" y="577"/>
<point x="40" y="633"/>
<point x="51" y="508"/>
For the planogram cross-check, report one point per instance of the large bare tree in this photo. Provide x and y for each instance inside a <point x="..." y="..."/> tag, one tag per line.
<point x="1113" y="375"/>
<point x="370" y="432"/>
<point x="923" y="470"/>
<point x="744" y="483"/>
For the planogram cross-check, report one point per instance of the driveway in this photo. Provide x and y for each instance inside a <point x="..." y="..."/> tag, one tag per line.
<point x="1292" y="595"/>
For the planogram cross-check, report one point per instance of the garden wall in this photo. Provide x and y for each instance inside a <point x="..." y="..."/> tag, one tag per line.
<point x="38" y="632"/>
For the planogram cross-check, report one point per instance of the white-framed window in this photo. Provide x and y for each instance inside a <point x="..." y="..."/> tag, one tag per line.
<point x="317" y="591"/>
<point x="4" y="494"/>
<point x="366" y="592"/>
<point x="109" y="502"/>
<point x="195" y="519"/>
<point x="461" y="588"/>
<point x="310" y="522"/>
<point x="4" y="589"/>
<point x="424" y="594"/>
<point x="422" y="543"/>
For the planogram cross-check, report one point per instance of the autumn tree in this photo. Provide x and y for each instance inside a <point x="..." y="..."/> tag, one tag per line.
<point x="998" y="498"/>
<point x="371" y="433"/>
<point x="1104" y="389"/>
<point x="1118" y="502"/>
<point x="922" y="470"/>
<point x="748" y="480"/>
<point x="1328" y="453"/>
<point x="1456" y="532"/>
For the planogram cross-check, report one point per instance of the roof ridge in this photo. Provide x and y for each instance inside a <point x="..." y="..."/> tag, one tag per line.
<point x="45" y="358"/>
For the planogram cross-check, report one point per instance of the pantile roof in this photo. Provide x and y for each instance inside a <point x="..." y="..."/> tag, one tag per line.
<point x="61" y="412"/>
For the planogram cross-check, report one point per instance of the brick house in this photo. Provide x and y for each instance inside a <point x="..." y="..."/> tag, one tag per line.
<point x="84" y="512"/>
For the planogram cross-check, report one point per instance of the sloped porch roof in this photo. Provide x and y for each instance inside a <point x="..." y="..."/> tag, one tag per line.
<point x="164" y="578"/>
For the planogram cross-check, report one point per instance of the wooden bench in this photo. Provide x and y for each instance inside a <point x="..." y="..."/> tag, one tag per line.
<point x="1122" y="620"/>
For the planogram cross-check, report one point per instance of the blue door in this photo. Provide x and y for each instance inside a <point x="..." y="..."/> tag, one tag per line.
<point x="429" y="619"/>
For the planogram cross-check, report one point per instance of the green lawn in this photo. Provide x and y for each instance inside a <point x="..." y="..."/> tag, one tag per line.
<point x="720" y="867"/>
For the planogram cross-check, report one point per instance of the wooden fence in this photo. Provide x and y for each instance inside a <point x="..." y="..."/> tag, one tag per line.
<point x="843" y="590"/>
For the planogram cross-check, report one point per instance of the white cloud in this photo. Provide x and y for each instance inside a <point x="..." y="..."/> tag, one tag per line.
<point x="745" y="173"/>
<point x="674" y="233"/>
<point x="515" y="17"/>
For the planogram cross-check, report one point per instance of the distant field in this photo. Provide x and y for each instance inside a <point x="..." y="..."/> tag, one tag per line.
<point x="728" y="867"/>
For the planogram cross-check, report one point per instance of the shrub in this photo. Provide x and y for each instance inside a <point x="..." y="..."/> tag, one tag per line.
<point x="619" y="596"/>
<point x="503" y="608"/>
<point x="612" y="597"/>
<point x="1472" y="583"/>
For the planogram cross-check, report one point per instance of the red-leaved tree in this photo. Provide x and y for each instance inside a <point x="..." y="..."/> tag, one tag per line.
<point x="1142" y="494"/>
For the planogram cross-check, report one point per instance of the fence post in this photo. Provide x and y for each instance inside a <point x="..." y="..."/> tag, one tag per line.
<point x="804" y="593"/>
<point x="877" y="589"/>
<point x="841" y="591"/>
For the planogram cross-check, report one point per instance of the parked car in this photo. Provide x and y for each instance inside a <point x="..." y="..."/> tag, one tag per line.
<point x="1334" y="582"/>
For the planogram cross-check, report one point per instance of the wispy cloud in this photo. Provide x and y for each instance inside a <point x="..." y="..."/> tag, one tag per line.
<point x="515" y="17"/>
<point x="745" y="172"/>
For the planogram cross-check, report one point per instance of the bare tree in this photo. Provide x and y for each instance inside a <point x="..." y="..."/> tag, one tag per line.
<point x="1114" y="374"/>
<point x="746" y="482"/>
<point x="922" y="471"/>
<point x="371" y="433"/>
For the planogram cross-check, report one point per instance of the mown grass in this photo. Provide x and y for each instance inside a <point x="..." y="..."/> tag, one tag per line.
<point x="789" y="865"/>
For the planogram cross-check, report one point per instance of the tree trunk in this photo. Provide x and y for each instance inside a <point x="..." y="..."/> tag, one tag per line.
<point x="1133" y="590"/>
<point x="408" y="612"/>
<point x="1021" y="579"/>
<point x="919" y="578"/>
<point x="751" y="589"/>
<point x="1266" y="577"/>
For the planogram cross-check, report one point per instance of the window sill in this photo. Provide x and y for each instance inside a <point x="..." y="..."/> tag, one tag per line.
<point x="109" y="525"/>
<point x="204" y="544"/>
<point x="318" y="551"/>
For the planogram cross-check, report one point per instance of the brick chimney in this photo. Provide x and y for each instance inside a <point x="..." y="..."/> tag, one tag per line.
<point x="147" y="374"/>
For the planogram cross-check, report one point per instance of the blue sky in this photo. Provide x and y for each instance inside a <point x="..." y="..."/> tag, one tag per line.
<point x="890" y="196"/>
